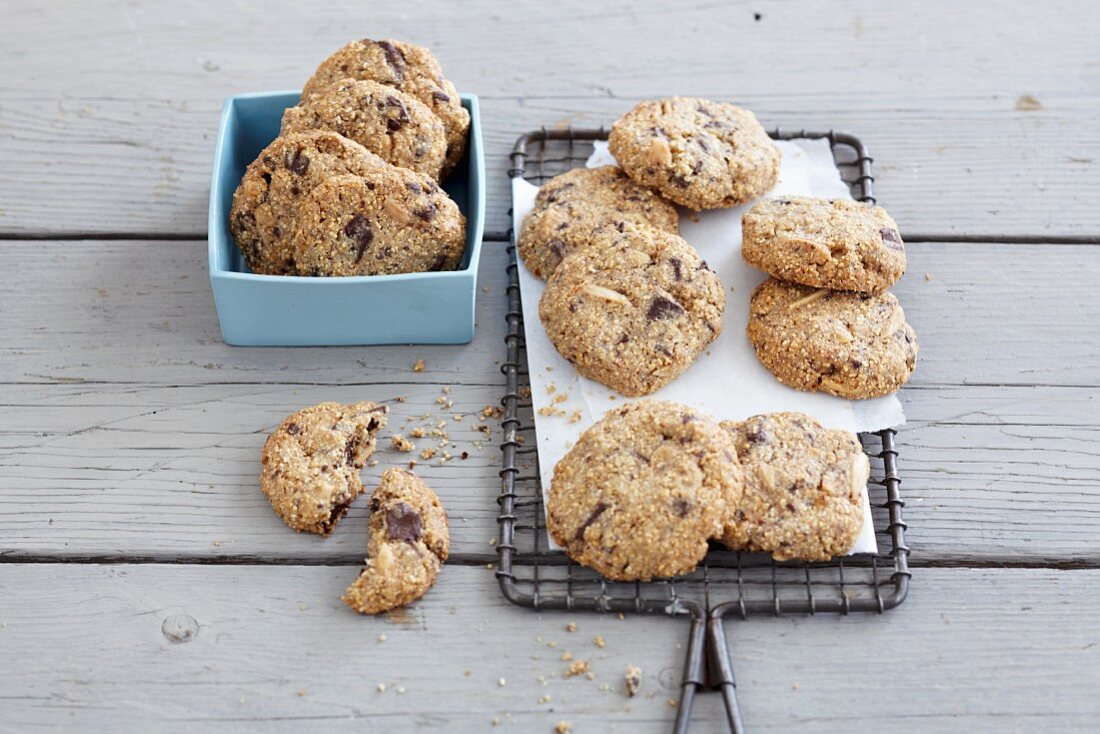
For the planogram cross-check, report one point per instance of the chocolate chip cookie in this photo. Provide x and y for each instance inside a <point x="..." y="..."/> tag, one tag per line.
<point x="635" y="311"/>
<point x="392" y="221"/>
<point x="804" y="484"/>
<point x="413" y="70"/>
<point x="265" y="205"/>
<point x="840" y="244"/>
<point x="389" y="123"/>
<point x="853" y="345"/>
<point x="574" y="209"/>
<point x="643" y="490"/>
<point x="311" y="463"/>
<point x="408" y="543"/>
<point x="695" y="152"/>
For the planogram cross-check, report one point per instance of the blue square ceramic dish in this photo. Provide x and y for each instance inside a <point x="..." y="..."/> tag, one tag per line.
<point x="279" y="310"/>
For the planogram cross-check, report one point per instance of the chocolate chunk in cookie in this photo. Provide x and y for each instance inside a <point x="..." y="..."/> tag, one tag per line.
<point x="389" y="123"/>
<point x="838" y="244"/>
<point x="404" y="66"/>
<point x="695" y="152"/>
<point x="643" y="490"/>
<point x="311" y="463"/>
<point x="633" y="312"/>
<point x="853" y="345"/>
<point x="409" y="541"/>
<point x="583" y="206"/>
<point x="804" y="485"/>
<point x="394" y="221"/>
<point x="265" y="206"/>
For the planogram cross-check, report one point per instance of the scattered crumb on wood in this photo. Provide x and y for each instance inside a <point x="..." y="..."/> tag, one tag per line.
<point x="633" y="680"/>
<point x="599" y="642"/>
<point x="1027" y="103"/>
<point x="579" y="667"/>
<point x="401" y="443"/>
<point x="563" y="727"/>
<point x="419" y="366"/>
<point x="427" y="453"/>
<point x="928" y="276"/>
<point x="417" y="432"/>
<point x="571" y="627"/>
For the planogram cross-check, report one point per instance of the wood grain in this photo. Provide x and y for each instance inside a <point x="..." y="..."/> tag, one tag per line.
<point x="116" y="134"/>
<point x="105" y="454"/>
<point x="275" y="649"/>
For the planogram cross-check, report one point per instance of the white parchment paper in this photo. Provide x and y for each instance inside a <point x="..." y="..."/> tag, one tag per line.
<point x="727" y="381"/>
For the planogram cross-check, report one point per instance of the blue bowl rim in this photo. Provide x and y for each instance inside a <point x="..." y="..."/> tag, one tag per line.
<point x="213" y="222"/>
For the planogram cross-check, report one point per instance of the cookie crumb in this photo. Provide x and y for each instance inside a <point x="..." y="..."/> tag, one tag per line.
<point x="928" y="277"/>
<point x="576" y="417"/>
<point x="563" y="727"/>
<point x="381" y="687"/>
<point x="545" y="698"/>
<point x="417" y="432"/>
<point x="495" y="721"/>
<point x="382" y="637"/>
<point x="427" y="453"/>
<point x="580" y="667"/>
<point x="412" y="463"/>
<point x="1027" y="103"/>
<point x="399" y="399"/>
<point x="372" y="462"/>
<point x="633" y="680"/>
<point x="567" y="656"/>
<point x="401" y="443"/>
<point x="301" y="691"/>
<point x="419" y="366"/>
<point x="599" y="642"/>
<point x="571" y="627"/>
<point x="502" y="682"/>
<point x="672" y="702"/>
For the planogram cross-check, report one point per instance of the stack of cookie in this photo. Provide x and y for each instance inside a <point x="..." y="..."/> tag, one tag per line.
<point x="644" y="490"/>
<point x="627" y="301"/>
<point x="825" y="321"/>
<point x="351" y="185"/>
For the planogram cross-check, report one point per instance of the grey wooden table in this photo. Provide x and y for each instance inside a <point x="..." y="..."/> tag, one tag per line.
<point x="146" y="585"/>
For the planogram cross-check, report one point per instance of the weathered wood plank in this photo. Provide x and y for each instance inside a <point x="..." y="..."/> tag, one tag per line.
<point x="275" y="649"/>
<point x="118" y="139"/>
<point x="990" y="473"/>
<point x="142" y="312"/>
<point x="158" y="456"/>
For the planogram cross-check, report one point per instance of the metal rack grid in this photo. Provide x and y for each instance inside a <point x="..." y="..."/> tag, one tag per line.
<point x="727" y="583"/>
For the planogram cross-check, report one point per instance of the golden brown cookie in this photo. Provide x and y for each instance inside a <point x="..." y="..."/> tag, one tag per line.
<point x="695" y="152"/>
<point x="389" y="123"/>
<point x="311" y="463"/>
<point x="634" y="312"/>
<point x="413" y="70"/>
<point x="853" y="345"/>
<point x="409" y="542"/>
<point x="579" y="207"/>
<point x="804" y="485"/>
<point x="643" y="490"/>
<point x="393" y="221"/>
<point x="265" y="205"/>
<point x="839" y="244"/>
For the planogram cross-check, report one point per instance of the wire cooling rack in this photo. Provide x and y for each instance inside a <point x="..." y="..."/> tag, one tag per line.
<point x="727" y="583"/>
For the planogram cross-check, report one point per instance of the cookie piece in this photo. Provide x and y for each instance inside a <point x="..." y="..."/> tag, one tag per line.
<point x="633" y="312"/>
<point x="853" y="345"/>
<point x="311" y="463"/>
<point x="413" y="70"/>
<point x="804" y="484"/>
<point x="840" y="244"/>
<point x="265" y="205"/>
<point x="389" y="123"/>
<point x="642" y="490"/>
<point x="393" y="221"/>
<point x="574" y="209"/>
<point x="408" y="543"/>
<point x="695" y="152"/>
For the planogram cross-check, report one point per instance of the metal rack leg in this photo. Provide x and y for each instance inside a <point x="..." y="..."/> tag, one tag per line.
<point x="722" y="667"/>
<point x="694" y="669"/>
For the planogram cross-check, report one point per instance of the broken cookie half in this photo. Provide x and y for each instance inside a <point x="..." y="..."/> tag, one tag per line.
<point x="408" y="543"/>
<point x="311" y="462"/>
